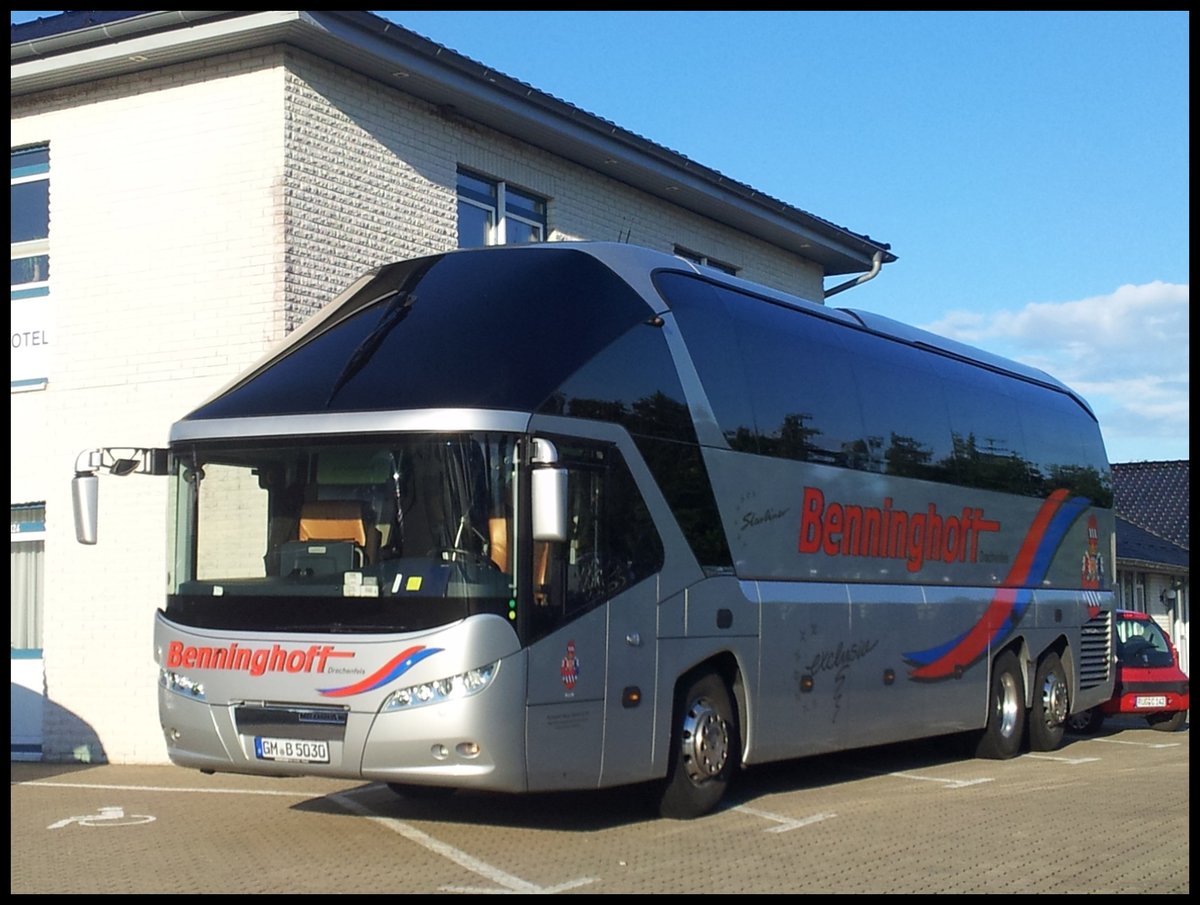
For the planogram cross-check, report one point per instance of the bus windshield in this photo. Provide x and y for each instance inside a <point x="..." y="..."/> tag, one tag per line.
<point x="389" y="534"/>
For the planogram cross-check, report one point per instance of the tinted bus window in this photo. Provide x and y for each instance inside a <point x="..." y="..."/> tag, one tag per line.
<point x="780" y="381"/>
<point x="487" y="330"/>
<point x="904" y="409"/>
<point x="803" y="389"/>
<point x="1058" y="433"/>
<point x="988" y="447"/>
<point x="707" y="327"/>
<point x="632" y="382"/>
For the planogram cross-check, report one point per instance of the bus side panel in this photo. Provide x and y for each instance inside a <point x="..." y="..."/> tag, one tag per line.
<point x="565" y="705"/>
<point x="842" y="652"/>
<point x="888" y="623"/>
<point x="958" y="699"/>
<point x="839" y="653"/>
<point x="801" y="625"/>
<point x="795" y="520"/>
<point x="631" y="693"/>
<point x="1083" y="618"/>
<point x="722" y="616"/>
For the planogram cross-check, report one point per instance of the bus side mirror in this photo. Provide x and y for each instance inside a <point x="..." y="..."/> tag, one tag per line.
<point x="550" y="504"/>
<point x="85" y="489"/>
<point x="85" y="485"/>
<point x="549" y="491"/>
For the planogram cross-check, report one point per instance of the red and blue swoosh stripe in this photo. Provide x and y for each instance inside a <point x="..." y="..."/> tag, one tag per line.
<point x="1010" y="601"/>
<point x="390" y="671"/>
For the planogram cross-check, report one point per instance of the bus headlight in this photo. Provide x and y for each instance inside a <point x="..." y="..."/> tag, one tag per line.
<point x="438" y="691"/>
<point x="182" y="685"/>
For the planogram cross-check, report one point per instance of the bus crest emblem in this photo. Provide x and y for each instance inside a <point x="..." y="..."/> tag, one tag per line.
<point x="570" y="668"/>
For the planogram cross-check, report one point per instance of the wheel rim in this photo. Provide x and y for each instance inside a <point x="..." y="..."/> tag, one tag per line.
<point x="705" y="741"/>
<point x="1054" y="700"/>
<point x="1008" y="705"/>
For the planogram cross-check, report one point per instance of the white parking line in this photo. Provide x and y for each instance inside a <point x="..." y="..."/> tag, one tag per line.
<point x="96" y="785"/>
<point x="1063" y="760"/>
<point x="948" y="783"/>
<point x="785" y="823"/>
<point x="1117" y="741"/>
<point x="507" y="881"/>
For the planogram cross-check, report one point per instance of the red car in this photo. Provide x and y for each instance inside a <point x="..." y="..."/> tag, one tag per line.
<point x="1149" y="680"/>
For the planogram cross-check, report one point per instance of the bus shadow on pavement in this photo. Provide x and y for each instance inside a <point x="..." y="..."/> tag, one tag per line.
<point x="577" y="811"/>
<point x="592" y="810"/>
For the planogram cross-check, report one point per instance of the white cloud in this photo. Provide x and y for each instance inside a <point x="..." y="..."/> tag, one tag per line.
<point x="1127" y="353"/>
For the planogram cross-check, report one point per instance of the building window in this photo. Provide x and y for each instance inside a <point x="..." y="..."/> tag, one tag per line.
<point x="1131" y="590"/>
<point x="696" y="258"/>
<point x="27" y="552"/>
<point x="29" y="200"/>
<point x="30" y="204"/>
<point x="496" y="213"/>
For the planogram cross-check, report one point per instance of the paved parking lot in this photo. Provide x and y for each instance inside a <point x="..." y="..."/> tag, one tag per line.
<point x="1101" y="815"/>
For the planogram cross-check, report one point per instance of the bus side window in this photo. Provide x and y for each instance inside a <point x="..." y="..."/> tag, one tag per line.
<point x="612" y="540"/>
<point x="541" y="573"/>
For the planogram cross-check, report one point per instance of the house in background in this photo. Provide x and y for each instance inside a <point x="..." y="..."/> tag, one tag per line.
<point x="1153" y="539"/>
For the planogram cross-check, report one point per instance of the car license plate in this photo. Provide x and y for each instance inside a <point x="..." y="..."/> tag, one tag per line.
<point x="1150" y="700"/>
<point x="295" y="750"/>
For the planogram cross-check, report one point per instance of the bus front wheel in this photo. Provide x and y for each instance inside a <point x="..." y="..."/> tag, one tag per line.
<point x="1002" y="737"/>
<point x="705" y="750"/>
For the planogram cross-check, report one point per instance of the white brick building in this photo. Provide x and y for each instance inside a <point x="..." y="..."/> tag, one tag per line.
<point x="208" y="181"/>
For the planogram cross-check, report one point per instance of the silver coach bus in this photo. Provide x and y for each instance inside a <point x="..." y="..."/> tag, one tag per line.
<point x="584" y="515"/>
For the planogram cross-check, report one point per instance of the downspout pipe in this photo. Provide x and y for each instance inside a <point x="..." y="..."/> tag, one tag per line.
<point x="876" y="266"/>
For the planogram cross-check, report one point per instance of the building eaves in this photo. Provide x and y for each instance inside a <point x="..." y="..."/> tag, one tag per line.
<point x="1138" y="546"/>
<point x="75" y="48"/>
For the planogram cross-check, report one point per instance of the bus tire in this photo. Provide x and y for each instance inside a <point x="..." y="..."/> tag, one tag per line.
<point x="1002" y="736"/>
<point x="1051" y="703"/>
<point x="705" y="750"/>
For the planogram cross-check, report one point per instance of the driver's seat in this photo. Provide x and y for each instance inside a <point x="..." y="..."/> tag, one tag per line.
<point x="340" y="520"/>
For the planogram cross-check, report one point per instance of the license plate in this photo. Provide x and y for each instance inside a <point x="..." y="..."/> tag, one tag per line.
<point x="295" y="750"/>
<point x="1150" y="700"/>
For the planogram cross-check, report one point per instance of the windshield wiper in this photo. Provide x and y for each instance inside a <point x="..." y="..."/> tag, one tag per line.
<point x="397" y="310"/>
<point x="399" y="303"/>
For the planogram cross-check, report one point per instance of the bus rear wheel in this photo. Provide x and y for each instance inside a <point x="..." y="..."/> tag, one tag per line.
<point x="705" y="750"/>
<point x="1048" y="718"/>
<point x="1005" y="730"/>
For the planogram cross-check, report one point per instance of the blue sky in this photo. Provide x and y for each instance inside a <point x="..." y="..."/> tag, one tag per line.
<point x="1029" y="169"/>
